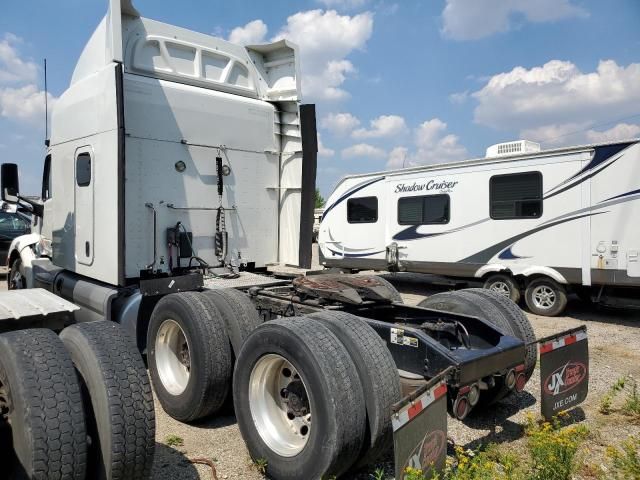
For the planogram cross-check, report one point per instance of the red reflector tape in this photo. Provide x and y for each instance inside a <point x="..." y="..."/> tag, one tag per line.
<point x="408" y="412"/>
<point x="562" y="342"/>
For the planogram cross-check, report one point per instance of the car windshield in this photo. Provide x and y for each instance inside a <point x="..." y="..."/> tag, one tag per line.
<point x="12" y="224"/>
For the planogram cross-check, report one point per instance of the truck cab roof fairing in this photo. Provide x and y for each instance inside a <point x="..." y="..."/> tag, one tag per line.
<point x="106" y="44"/>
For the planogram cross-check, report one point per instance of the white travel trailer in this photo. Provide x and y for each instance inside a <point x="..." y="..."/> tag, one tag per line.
<point x="521" y="219"/>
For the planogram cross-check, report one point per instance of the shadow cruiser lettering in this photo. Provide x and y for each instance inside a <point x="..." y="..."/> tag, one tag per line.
<point x="431" y="185"/>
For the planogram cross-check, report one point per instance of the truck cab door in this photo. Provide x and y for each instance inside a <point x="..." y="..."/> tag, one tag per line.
<point x="84" y="208"/>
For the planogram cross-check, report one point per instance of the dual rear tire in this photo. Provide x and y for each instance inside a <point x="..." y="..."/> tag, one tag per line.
<point x="76" y="406"/>
<point x="313" y="395"/>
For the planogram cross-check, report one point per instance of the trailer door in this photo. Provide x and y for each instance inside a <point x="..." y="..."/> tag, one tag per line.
<point x="84" y="205"/>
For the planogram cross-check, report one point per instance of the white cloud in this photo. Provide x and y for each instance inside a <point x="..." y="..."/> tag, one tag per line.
<point x="432" y="145"/>
<point x="622" y="131"/>
<point x="474" y="19"/>
<point x="398" y="158"/>
<point x="348" y="4"/>
<point x="363" y="150"/>
<point x="326" y="38"/>
<point x="339" y="123"/>
<point x="383" y="126"/>
<point x="252" y="33"/>
<point x="324" y="151"/>
<point x="14" y="69"/>
<point x="459" y="98"/>
<point x="558" y="93"/>
<point x="554" y="134"/>
<point x="24" y="104"/>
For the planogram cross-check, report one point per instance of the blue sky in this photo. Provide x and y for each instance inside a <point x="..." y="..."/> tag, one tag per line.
<point x="395" y="83"/>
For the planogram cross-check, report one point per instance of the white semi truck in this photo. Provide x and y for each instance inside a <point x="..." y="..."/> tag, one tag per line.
<point x="178" y="164"/>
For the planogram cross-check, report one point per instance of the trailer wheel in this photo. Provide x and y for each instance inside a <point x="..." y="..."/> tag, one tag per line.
<point x="298" y="400"/>
<point x="41" y="403"/>
<point x="118" y="400"/>
<point x="503" y="284"/>
<point x="238" y="312"/>
<point x="546" y="297"/>
<point x="378" y="376"/>
<point x="189" y="356"/>
<point x="395" y="294"/>
<point x="518" y="319"/>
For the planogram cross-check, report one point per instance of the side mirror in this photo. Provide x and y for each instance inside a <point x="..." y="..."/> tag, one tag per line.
<point x="9" y="183"/>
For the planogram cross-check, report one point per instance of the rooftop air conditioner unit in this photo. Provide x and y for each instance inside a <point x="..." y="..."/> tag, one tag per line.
<point x="518" y="147"/>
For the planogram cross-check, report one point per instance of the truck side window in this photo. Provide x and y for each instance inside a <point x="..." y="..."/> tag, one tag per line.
<point x="425" y="210"/>
<point x="362" y="210"/>
<point x="46" y="179"/>
<point x="516" y="195"/>
<point x="83" y="170"/>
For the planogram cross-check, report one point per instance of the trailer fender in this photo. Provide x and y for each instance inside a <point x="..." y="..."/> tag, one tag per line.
<point x="523" y="270"/>
<point x="536" y="271"/>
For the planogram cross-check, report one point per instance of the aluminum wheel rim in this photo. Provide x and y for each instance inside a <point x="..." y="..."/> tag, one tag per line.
<point x="502" y="288"/>
<point x="544" y="297"/>
<point x="279" y="405"/>
<point x="173" y="358"/>
<point x="16" y="281"/>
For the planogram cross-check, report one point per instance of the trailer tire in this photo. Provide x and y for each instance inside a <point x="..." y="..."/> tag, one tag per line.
<point x="270" y="407"/>
<point x="238" y="312"/>
<point x="519" y="321"/>
<point x="504" y="285"/>
<point x="118" y="400"/>
<point x="546" y="297"/>
<point x="395" y="294"/>
<point x="189" y="356"/>
<point x="45" y="410"/>
<point x="378" y="376"/>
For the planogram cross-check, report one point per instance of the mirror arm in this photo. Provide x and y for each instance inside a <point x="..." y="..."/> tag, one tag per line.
<point x="37" y="208"/>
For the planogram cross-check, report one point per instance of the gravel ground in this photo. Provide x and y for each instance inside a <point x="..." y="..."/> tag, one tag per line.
<point x="614" y="340"/>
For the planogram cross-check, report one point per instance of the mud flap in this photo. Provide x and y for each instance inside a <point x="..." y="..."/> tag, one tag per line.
<point x="420" y="429"/>
<point x="564" y="371"/>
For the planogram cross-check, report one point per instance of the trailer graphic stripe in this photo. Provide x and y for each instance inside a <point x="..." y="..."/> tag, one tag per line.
<point x="350" y="192"/>
<point x="488" y="253"/>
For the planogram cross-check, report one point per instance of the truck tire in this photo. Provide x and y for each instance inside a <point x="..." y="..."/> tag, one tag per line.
<point x="395" y="294"/>
<point x="238" y="312"/>
<point x="520" y="323"/>
<point x="15" y="279"/>
<point x="504" y="285"/>
<point x="378" y="376"/>
<point x="544" y="296"/>
<point x="288" y="371"/>
<point x="458" y="302"/>
<point x="189" y="356"/>
<point x="43" y="405"/>
<point x="471" y="304"/>
<point x="118" y="400"/>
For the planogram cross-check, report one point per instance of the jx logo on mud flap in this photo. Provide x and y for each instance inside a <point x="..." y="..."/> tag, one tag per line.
<point x="565" y="378"/>
<point x="428" y="451"/>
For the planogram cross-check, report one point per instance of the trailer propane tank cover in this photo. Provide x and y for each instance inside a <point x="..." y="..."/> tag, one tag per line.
<point x="420" y="429"/>
<point x="564" y="371"/>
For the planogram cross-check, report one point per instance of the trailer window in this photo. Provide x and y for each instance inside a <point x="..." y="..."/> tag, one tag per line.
<point x="425" y="210"/>
<point x="362" y="210"/>
<point x="517" y="195"/>
<point x="83" y="170"/>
